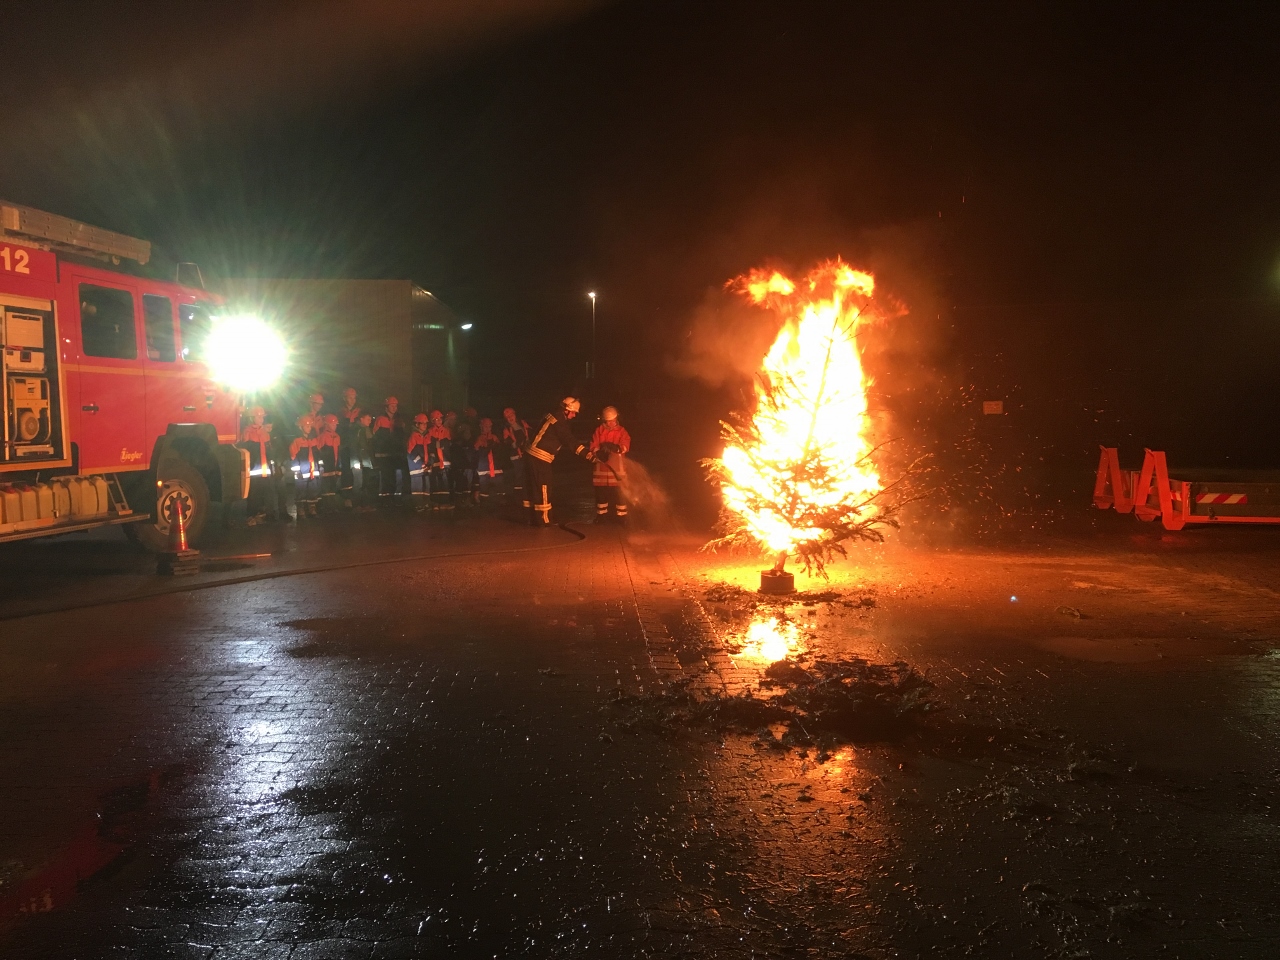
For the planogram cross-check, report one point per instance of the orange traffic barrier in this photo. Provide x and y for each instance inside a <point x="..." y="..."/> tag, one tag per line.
<point x="1150" y="493"/>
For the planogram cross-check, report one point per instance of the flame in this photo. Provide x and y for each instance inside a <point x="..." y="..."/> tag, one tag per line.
<point x="770" y="640"/>
<point x="811" y="404"/>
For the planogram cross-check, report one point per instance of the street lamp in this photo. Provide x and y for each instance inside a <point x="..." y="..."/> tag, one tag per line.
<point x="591" y="367"/>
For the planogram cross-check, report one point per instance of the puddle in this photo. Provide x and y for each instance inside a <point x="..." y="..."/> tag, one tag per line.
<point x="100" y="845"/>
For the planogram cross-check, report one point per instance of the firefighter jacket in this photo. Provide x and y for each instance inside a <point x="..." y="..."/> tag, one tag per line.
<point x="362" y="446"/>
<point x="417" y="451"/>
<point x="488" y="454"/>
<point x="302" y="452"/>
<point x="257" y="440"/>
<point x="390" y="436"/>
<point x="516" y="437"/>
<point x="613" y="439"/>
<point x="439" y="442"/>
<point x="348" y="423"/>
<point x="326" y="446"/>
<point x="553" y="436"/>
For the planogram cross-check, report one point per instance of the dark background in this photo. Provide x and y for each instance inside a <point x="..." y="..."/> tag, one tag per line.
<point x="1078" y="203"/>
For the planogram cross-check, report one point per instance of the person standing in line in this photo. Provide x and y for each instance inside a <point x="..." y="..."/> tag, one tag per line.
<point x="515" y="435"/>
<point x="610" y="444"/>
<point x="364" y="478"/>
<point x="348" y="420"/>
<point x="306" y="473"/>
<point x="328" y="448"/>
<point x="256" y="439"/>
<point x="418" y="455"/>
<point x="488" y="463"/>
<point x="441" y="470"/>
<point x="390" y="441"/>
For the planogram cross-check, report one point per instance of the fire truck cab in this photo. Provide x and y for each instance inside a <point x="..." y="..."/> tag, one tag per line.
<point x="110" y="414"/>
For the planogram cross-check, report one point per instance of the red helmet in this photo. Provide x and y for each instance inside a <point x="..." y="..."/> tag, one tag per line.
<point x="390" y="400"/>
<point x="420" y="418"/>
<point x="436" y="415"/>
<point x="330" y="421"/>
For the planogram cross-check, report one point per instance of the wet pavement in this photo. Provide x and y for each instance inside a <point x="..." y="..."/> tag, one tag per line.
<point x="407" y="737"/>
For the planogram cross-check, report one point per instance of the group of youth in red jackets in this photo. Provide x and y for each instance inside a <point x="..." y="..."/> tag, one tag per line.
<point x="354" y="459"/>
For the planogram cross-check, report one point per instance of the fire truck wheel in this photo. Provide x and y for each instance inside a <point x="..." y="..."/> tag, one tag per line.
<point x="181" y="483"/>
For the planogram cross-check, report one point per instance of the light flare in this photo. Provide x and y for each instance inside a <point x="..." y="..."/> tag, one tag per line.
<point x="244" y="352"/>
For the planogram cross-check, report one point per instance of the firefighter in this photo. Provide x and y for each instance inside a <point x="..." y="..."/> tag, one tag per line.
<point x="364" y="479"/>
<point x="440" y="470"/>
<point x="256" y="439"/>
<point x="515" y="435"/>
<point x="418" y="462"/>
<point x="348" y="420"/>
<point x="553" y="436"/>
<point x="328" y="447"/>
<point x="464" y="430"/>
<point x="488" y="463"/>
<point x="306" y="471"/>
<point x="390" y="441"/>
<point x="610" y="444"/>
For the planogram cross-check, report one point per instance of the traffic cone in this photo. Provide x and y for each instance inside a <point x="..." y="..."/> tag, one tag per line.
<point x="179" y="559"/>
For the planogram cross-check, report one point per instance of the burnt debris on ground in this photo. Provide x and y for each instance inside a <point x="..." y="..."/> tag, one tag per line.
<point x="735" y="596"/>
<point x="824" y="703"/>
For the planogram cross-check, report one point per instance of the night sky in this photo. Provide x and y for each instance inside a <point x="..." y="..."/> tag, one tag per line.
<point x="1078" y="202"/>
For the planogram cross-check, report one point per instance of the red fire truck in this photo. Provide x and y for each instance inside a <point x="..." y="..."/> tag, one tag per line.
<point x="110" y="414"/>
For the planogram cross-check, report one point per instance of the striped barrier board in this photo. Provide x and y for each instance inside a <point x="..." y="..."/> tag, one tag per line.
<point x="1150" y="493"/>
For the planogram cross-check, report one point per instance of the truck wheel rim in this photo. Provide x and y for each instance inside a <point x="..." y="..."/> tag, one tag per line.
<point x="173" y="491"/>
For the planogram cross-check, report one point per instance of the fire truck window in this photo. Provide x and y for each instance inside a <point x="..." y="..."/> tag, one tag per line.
<point x="107" y="323"/>
<point x="194" y="322"/>
<point x="158" y="312"/>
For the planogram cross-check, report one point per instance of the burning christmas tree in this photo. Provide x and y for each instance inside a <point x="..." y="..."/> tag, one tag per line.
<point x="796" y="475"/>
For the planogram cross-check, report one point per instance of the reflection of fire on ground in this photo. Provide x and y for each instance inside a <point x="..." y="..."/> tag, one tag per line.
<point x="767" y="641"/>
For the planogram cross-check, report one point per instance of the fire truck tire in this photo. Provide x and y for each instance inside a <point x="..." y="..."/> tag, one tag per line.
<point x="179" y="481"/>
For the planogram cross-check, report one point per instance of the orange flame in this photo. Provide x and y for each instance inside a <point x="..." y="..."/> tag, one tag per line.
<point x="811" y="402"/>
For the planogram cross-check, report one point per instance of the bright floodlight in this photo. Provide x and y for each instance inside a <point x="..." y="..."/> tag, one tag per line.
<point x="244" y="353"/>
<point x="467" y="326"/>
<point x="592" y="294"/>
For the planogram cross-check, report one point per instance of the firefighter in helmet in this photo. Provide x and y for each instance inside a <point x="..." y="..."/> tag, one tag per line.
<point x="440" y="467"/>
<point x="418" y="462"/>
<point x="610" y="444"/>
<point x="390" y="441"/>
<point x="554" y="436"/>
<point x="328" y="447"/>
<point x="256" y="439"/>
<point x="306" y="470"/>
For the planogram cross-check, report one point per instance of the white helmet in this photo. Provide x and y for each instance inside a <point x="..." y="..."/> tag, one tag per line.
<point x="572" y="404"/>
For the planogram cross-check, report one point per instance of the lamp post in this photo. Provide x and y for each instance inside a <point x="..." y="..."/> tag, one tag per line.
<point x="591" y="367"/>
